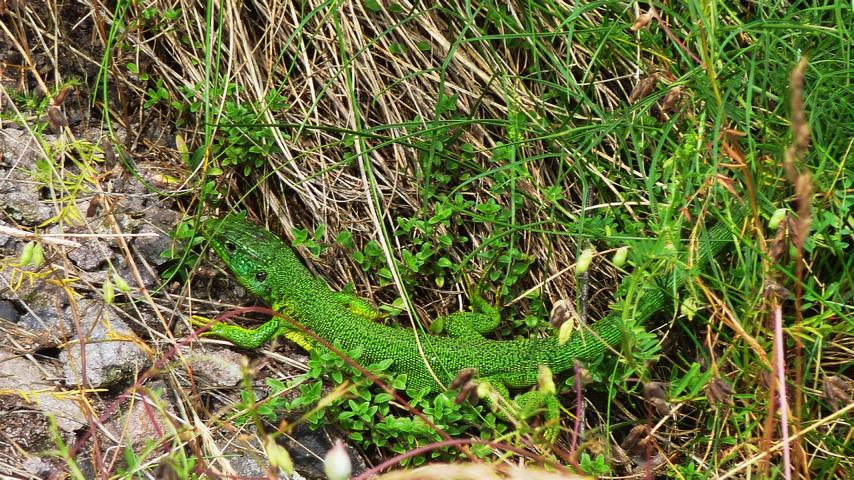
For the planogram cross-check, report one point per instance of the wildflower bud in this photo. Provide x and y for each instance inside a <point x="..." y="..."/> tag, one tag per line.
<point x="620" y="257"/>
<point x="108" y="291"/>
<point x="719" y="391"/>
<point x="467" y="393"/>
<point x="120" y="282"/>
<point x="561" y="313"/>
<point x="38" y="255"/>
<point x="483" y="389"/>
<point x="545" y="380"/>
<point x="655" y="393"/>
<point x="337" y="464"/>
<point x="462" y="378"/>
<point x="689" y="307"/>
<point x="27" y="254"/>
<point x="278" y="456"/>
<point x="583" y="262"/>
<point x="836" y="391"/>
<point x="635" y="442"/>
<point x="777" y="218"/>
<point x="565" y="331"/>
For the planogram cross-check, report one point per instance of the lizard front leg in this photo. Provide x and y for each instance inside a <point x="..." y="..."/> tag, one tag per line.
<point x="252" y="338"/>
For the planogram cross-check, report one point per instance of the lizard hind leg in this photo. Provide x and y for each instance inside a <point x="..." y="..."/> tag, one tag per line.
<point x="484" y="319"/>
<point x="526" y="405"/>
<point x="535" y="402"/>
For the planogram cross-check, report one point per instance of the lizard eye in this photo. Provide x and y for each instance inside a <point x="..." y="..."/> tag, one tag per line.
<point x="230" y="247"/>
<point x="261" y="276"/>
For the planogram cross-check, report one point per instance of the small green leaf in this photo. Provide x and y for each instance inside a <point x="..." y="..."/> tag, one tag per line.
<point x="345" y="239"/>
<point x="373" y="5"/>
<point x="319" y="232"/>
<point x="383" y="397"/>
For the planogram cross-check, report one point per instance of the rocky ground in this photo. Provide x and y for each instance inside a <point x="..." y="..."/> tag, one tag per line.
<point x="112" y="369"/>
<point x="113" y="372"/>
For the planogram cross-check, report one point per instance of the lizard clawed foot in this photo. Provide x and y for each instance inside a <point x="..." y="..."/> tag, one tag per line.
<point x="533" y="403"/>
<point x="249" y="338"/>
<point x="519" y="411"/>
<point x="200" y="321"/>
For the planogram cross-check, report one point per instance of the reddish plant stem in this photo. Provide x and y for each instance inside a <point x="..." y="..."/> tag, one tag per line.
<point x="779" y="365"/>
<point x="579" y="412"/>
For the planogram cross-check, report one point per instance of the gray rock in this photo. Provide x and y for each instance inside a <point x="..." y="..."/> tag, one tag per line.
<point x="113" y="352"/>
<point x="24" y="205"/>
<point x="18" y="374"/>
<point x="125" y="222"/>
<point x="157" y="221"/>
<point x="123" y="269"/>
<point x="308" y="449"/>
<point x="91" y="254"/>
<point x="247" y="465"/>
<point x="219" y="367"/>
<point x="6" y="242"/>
<point x="20" y="193"/>
<point x="244" y="466"/>
<point x="148" y="418"/>
<point x="38" y="466"/>
<point x="8" y="311"/>
<point x="46" y="306"/>
<point x="26" y="426"/>
<point x="134" y="195"/>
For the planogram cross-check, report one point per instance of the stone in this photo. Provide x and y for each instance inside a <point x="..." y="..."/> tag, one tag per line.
<point x="91" y="254"/>
<point x="158" y="221"/>
<point x="8" y="311"/>
<point x="219" y="367"/>
<point x="148" y="418"/>
<point x="20" y="193"/>
<point x="114" y="354"/>
<point x="30" y="382"/>
<point x="46" y="305"/>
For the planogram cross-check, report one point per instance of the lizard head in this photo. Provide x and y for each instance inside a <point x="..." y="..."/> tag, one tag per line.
<point x="249" y="251"/>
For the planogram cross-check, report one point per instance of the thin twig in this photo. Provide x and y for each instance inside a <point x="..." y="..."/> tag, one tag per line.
<point x="779" y="365"/>
<point x="23" y="234"/>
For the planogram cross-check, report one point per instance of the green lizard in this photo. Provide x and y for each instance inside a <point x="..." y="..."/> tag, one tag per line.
<point x="270" y="269"/>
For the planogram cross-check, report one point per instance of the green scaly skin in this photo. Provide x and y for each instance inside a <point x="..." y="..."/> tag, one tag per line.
<point x="270" y="269"/>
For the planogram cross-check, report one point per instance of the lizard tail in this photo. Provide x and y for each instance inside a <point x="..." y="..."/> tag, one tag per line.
<point x="589" y="342"/>
<point x="606" y="333"/>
